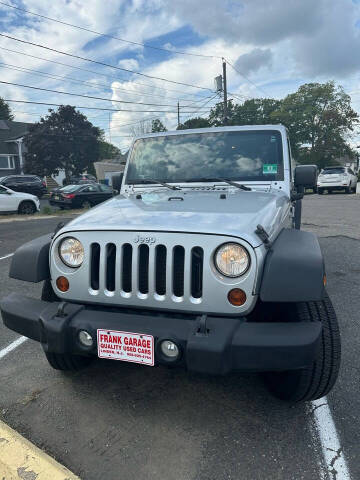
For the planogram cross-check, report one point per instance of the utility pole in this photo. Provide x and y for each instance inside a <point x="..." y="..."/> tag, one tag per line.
<point x="225" y="92"/>
<point x="178" y="112"/>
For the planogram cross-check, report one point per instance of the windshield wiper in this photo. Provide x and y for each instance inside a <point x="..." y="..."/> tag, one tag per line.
<point x="226" y="180"/>
<point x="234" y="184"/>
<point x="164" y="184"/>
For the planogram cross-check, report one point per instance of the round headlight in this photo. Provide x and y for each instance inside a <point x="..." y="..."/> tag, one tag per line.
<point x="71" y="252"/>
<point x="232" y="260"/>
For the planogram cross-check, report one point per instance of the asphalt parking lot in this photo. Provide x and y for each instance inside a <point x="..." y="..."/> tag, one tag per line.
<point x="116" y="420"/>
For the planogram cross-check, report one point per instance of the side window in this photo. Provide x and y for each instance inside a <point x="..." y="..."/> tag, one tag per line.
<point x="350" y="171"/>
<point x="2" y="190"/>
<point x="105" y="188"/>
<point x="90" y="188"/>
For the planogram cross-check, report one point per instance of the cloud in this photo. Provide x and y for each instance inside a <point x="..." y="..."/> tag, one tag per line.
<point x="129" y="63"/>
<point x="254" y="60"/>
<point x="323" y="36"/>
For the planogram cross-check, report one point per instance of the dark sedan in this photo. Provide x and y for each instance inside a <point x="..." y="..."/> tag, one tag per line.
<point x="25" y="183"/>
<point x="80" y="196"/>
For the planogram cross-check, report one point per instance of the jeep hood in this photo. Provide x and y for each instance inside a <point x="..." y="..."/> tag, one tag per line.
<point x="189" y="211"/>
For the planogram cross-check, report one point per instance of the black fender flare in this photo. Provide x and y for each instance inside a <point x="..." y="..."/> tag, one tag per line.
<point x="294" y="269"/>
<point x="30" y="262"/>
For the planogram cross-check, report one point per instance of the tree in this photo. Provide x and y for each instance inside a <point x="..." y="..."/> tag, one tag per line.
<point x="157" y="126"/>
<point x="107" y="150"/>
<point x="257" y="111"/>
<point x="63" y="140"/>
<point x="320" y="119"/>
<point x="148" y="126"/>
<point x="216" y="117"/>
<point x="5" y="111"/>
<point x="197" y="122"/>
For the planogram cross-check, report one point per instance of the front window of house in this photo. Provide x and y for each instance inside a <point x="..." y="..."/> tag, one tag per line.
<point x="7" y="162"/>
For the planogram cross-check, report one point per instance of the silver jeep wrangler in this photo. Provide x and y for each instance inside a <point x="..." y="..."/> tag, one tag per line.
<point x="199" y="262"/>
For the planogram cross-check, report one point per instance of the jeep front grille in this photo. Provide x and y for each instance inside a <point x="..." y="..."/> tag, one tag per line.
<point x="156" y="270"/>
<point x="144" y="269"/>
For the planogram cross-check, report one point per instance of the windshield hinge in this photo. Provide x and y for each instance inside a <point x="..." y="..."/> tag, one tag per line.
<point x="263" y="235"/>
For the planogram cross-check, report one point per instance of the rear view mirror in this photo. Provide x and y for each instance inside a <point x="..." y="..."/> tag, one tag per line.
<point x="305" y="176"/>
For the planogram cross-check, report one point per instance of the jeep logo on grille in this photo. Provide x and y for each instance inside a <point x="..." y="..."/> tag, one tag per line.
<point x="145" y="239"/>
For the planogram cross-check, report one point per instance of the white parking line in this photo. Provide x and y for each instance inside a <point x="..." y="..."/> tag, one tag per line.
<point x="16" y="343"/>
<point x="335" y="463"/>
<point x="6" y="256"/>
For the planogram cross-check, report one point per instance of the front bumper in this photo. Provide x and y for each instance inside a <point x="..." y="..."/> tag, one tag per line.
<point x="228" y="344"/>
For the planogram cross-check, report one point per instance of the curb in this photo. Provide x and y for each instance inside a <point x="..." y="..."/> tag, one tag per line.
<point x="20" y="459"/>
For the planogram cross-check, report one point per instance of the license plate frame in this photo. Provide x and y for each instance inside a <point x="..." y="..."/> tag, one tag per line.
<point x="120" y="345"/>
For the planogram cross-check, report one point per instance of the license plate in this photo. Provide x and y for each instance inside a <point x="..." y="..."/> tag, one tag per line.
<point x="126" y="346"/>
<point x="56" y="197"/>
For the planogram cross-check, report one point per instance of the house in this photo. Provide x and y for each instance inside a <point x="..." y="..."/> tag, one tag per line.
<point x="105" y="169"/>
<point x="12" y="149"/>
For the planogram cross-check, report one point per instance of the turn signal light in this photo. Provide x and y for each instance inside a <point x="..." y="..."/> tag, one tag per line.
<point x="62" y="284"/>
<point x="237" y="297"/>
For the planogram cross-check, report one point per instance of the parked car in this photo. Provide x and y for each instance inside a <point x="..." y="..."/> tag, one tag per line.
<point x="81" y="179"/>
<point x="198" y="264"/>
<point x="80" y="196"/>
<point x="336" y="178"/>
<point x="25" y="183"/>
<point x="17" y="202"/>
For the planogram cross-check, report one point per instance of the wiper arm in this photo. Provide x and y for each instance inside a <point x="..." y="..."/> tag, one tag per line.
<point x="164" y="184"/>
<point x="234" y="184"/>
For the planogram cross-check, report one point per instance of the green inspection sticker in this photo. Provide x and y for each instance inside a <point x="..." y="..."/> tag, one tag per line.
<point x="269" y="168"/>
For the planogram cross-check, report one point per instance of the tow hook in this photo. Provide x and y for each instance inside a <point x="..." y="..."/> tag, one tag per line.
<point x="202" y="330"/>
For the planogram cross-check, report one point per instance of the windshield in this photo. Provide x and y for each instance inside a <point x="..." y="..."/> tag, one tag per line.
<point x="241" y="155"/>
<point x="336" y="170"/>
<point x="70" y="188"/>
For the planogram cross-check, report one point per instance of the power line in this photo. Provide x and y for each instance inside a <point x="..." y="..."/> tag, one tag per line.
<point x="247" y="79"/>
<point x="109" y="36"/>
<point x="75" y="80"/>
<point x="91" y="108"/>
<point x="103" y="63"/>
<point x="106" y="75"/>
<point x="202" y="106"/>
<point x="90" y="96"/>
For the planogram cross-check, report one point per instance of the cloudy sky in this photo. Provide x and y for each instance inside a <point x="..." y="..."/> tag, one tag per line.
<point x="276" y="46"/>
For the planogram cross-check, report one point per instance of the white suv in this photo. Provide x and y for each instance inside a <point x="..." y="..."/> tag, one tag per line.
<point x="17" y="202"/>
<point x="337" y="178"/>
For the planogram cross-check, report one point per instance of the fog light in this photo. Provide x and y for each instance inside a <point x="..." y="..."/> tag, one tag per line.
<point x="62" y="284"/>
<point x="237" y="297"/>
<point x="85" y="338"/>
<point x="169" y="349"/>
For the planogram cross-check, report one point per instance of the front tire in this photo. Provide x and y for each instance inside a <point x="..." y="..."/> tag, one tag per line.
<point x="27" y="208"/>
<point x="86" y="205"/>
<point x="320" y="191"/>
<point x="319" y="378"/>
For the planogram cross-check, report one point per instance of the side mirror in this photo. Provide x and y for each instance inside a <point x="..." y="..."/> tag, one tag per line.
<point x="8" y="192"/>
<point x="305" y="176"/>
<point x="117" y="181"/>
